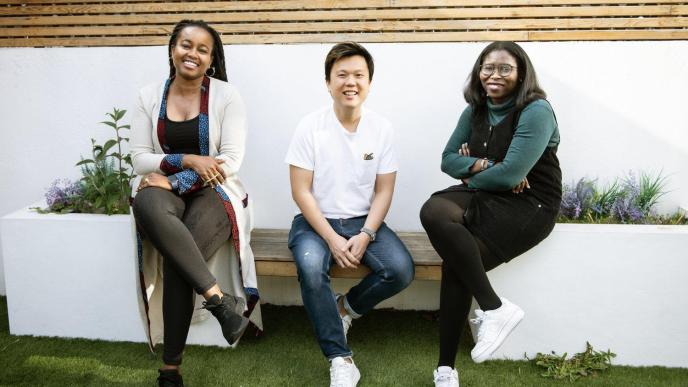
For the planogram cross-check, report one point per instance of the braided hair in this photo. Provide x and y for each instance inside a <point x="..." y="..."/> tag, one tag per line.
<point x="218" y="52"/>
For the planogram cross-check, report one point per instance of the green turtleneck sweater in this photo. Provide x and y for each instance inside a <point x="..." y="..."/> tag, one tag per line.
<point x="536" y="129"/>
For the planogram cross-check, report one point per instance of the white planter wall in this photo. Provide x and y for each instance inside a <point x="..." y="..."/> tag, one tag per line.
<point x="71" y="275"/>
<point x="618" y="287"/>
<point x="619" y="106"/>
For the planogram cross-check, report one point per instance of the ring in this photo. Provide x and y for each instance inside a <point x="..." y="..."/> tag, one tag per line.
<point x="146" y="180"/>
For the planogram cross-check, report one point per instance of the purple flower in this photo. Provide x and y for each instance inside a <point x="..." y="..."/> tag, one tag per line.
<point x="576" y="200"/>
<point x="62" y="192"/>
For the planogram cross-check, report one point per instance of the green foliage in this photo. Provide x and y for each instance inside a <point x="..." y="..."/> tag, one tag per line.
<point x="630" y="199"/>
<point x="104" y="186"/>
<point x="106" y="174"/>
<point x="651" y="189"/>
<point x="582" y="364"/>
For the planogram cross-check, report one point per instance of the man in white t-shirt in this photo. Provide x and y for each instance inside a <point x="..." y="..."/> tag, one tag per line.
<point x="342" y="170"/>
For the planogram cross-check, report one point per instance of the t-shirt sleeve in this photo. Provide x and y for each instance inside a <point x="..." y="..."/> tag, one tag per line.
<point x="388" y="159"/>
<point x="301" y="150"/>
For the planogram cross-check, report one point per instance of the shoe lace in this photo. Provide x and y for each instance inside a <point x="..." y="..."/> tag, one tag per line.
<point x="480" y="317"/>
<point x="444" y="378"/>
<point x="338" y="375"/>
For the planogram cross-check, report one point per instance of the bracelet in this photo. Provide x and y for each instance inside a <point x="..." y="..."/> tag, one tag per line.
<point x="483" y="164"/>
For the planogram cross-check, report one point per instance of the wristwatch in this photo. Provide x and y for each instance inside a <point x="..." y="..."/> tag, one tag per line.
<point x="370" y="233"/>
<point x="174" y="182"/>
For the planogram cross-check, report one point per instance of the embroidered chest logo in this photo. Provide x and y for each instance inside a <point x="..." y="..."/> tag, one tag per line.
<point x="368" y="156"/>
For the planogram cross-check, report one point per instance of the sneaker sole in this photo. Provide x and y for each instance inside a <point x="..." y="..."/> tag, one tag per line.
<point x="242" y="330"/>
<point x="513" y="322"/>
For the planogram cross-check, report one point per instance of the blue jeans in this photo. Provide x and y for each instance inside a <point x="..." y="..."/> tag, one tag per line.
<point x="391" y="268"/>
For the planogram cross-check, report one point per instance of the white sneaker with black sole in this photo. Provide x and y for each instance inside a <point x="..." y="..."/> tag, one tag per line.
<point x="445" y="377"/>
<point x="494" y="326"/>
<point x="343" y="373"/>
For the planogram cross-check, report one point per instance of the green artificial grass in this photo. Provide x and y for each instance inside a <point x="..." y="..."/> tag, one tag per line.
<point x="391" y="348"/>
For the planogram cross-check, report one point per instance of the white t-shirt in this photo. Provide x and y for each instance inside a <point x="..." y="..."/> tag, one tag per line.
<point x="344" y="164"/>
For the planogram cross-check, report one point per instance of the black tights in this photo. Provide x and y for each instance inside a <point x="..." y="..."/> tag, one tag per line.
<point x="186" y="231"/>
<point x="465" y="262"/>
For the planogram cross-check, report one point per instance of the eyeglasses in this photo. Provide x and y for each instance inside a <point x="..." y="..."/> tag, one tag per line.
<point x="503" y="69"/>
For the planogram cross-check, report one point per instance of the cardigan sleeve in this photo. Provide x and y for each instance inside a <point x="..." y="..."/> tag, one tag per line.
<point x="534" y="129"/>
<point x="233" y="132"/>
<point x="453" y="164"/>
<point x="143" y="156"/>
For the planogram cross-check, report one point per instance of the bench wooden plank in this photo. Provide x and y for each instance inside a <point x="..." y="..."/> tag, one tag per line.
<point x="273" y="257"/>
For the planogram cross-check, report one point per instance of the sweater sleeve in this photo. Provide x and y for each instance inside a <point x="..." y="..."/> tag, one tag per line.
<point x="453" y="164"/>
<point x="233" y="137"/>
<point x="533" y="132"/>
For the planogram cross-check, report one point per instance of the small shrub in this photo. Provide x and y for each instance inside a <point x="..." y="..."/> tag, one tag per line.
<point x="582" y="364"/>
<point x="104" y="186"/>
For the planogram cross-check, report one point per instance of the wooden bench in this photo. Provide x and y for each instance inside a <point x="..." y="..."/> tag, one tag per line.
<point x="273" y="257"/>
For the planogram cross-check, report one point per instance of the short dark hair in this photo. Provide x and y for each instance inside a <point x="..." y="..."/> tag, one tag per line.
<point x="218" y="52"/>
<point x="344" y="50"/>
<point x="527" y="90"/>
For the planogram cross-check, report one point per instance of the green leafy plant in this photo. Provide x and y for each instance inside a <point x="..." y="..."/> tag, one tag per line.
<point x="104" y="186"/>
<point x="630" y="199"/>
<point x="107" y="173"/>
<point x="582" y="364"/>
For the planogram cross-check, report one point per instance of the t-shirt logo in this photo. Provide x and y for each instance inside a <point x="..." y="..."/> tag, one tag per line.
<point x="368" y="156"/>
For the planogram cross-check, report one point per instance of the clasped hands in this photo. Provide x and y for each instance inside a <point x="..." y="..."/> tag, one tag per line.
<point x="348" y="253"/>
<point x="208" y="168"/>
<point x="464" y="151"/>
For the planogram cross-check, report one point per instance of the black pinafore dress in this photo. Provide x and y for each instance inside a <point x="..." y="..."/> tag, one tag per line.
<point x="508" y="223"/>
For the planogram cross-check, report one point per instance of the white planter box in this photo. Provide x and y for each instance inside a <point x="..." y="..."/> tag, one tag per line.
<point x="72" y="275"/>
<point x="620" y="287"/>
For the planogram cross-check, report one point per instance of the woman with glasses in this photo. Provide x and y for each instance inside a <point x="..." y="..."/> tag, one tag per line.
<point x="503" y="151"/>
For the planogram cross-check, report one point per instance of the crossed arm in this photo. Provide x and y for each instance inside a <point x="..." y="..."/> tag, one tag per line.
<point x="346" y="253"/>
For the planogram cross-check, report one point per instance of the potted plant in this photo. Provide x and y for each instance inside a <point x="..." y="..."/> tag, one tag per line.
<point x="78" y="252"/>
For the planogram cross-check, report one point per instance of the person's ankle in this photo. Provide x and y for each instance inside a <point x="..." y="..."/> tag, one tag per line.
<point x="340" y="307"/>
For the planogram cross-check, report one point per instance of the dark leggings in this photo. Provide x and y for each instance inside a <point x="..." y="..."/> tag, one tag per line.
<point x="465" y="261"/>
<point x="186" y="231"/>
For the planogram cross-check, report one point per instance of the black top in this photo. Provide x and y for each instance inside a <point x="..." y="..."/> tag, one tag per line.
<point x="182" y="136"/>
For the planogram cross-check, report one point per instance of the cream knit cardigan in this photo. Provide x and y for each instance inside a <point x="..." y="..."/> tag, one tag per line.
<point x="227" y="139"/>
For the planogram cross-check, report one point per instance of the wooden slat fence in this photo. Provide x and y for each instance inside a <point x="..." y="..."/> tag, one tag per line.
<point x="37" y="23"/>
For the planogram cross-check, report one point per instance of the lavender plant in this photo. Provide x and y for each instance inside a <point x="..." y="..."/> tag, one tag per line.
<point x="63" y="196"/>
<point x="627" y="200"/>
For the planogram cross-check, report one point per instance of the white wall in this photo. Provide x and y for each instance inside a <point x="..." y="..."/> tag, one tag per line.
<point x="620" y="106"/>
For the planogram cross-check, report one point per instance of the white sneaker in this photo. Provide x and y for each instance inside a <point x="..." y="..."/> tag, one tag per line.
<point x="495" y="326"/>
<point x="343" y="373"/>
<point x="446" y="377"/>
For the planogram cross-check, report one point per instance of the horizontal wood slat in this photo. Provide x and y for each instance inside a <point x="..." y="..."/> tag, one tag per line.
<point x="37" y="23"/>
<point x="386" y="26"/>
<point x="401" y="14"/>
<point x="144" y="6"/>
<point x="410" y="37"/>
<point x="273" y="257"/>
<point x="338" y="4"/>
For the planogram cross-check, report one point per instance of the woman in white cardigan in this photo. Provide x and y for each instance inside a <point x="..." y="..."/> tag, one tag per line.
<point x="188" y="141"/>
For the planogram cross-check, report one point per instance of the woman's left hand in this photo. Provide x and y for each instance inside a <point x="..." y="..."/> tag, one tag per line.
<point x="521" y="186"/>
<point x="154" y="180"/>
